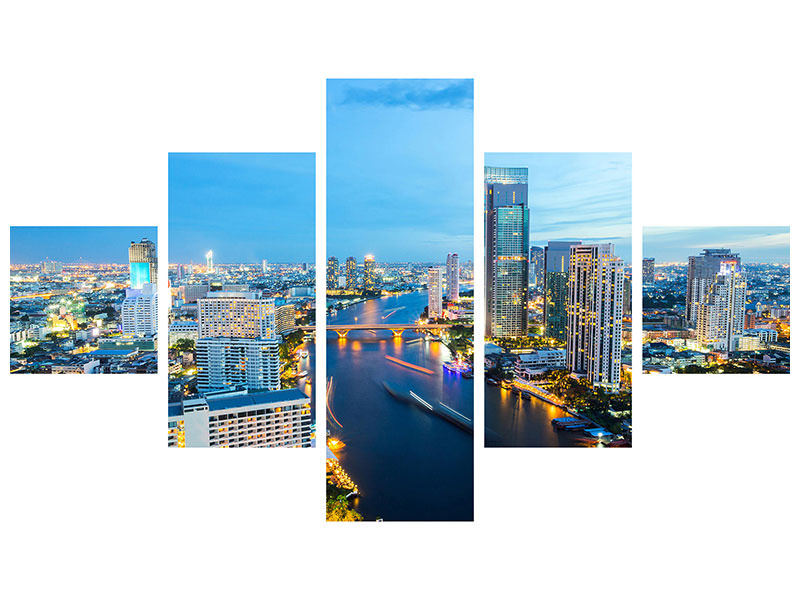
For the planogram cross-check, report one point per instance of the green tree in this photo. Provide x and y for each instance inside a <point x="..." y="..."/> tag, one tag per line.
<point x="338" y="509"/>
<point x="183" y="345"/>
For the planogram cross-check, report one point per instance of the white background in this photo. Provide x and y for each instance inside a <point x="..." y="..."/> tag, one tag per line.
<point x="704" y="95"/>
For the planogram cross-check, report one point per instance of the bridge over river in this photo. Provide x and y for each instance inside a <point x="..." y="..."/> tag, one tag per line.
<point x="395" y="328"/>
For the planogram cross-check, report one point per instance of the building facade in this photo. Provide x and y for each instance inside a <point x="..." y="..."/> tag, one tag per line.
<point x="140" y="311"/>
<point x="720" y="316"/>
<point x="701" y="274"/>
<point x="434" y="293"/>
<point x="370" y="275"/>
<point x="143" y="263"/>
<point x="452" y="277"/>
<point x="594" y="314"/>
<point x="235" y="419"/>
<point x="506" y="214"/>
<point x="332" y="274"/>
<point x="351" y="273"/>
<point x="556" y="288"/>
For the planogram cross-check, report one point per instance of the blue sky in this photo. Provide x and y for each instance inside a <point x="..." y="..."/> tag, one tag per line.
<point x="754" y="244"/>
<point x="245" y="207"/>
<point x="76" y="244"/>
<point x="576" y="195"/>
<point x="400" y="169"/>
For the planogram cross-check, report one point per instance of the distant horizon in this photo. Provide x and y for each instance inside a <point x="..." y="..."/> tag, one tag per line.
<point x="76" y="244"/>
<point x="754" y="244"/>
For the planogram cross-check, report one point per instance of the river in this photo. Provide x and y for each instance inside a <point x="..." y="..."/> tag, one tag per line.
<point x="409" y="464"/>
<point x="511" y="421"/>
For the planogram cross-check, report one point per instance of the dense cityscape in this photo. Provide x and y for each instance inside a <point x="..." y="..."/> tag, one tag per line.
<point x="558" y="329"/>
<point x="715" y="313"/>
<point x="86" y="318"/>
<point x="241" y="367"/>
<point x="399" y="300"/>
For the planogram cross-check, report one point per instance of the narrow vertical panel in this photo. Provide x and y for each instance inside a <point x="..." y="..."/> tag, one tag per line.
<point x="400" y="300"/>
<point x="558" y="299"/>
<point x="242" y="299"/>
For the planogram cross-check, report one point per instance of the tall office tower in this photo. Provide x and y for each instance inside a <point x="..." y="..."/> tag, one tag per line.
<point x="648" y="271"/>
<point x="556" y="279"/>
<point x="506" y="213"/>
<point x="237" y="342"/>
<point x="210" y="261"/>
<point x="285" y="319"/>
<point x="370" y="276"/>
<point x="702" y="271"/>
<point x="351" y="273"/>
<point x="179" y="272"/>
<point x="332" y="275"/>
<point x="51" y="266"/>
<point x="720" y="316"/>
<point x="434" y="293"/>
<point x="143" y="263"/>
<point x="140" y="310"/>
<point x="594" y="314"/>
<point x="452" y="277"/>
<point x="536" y="268"/>
<point x="235" y="419"/>
<point x="264" y="266"/>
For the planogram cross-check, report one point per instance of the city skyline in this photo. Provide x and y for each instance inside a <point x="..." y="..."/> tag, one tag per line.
<point x="576" y="195"/>
<point x="76" y="244"/>
<point x="400" y="169"/>
<point x="754" y="244"/>
<point x="245" y="207"/>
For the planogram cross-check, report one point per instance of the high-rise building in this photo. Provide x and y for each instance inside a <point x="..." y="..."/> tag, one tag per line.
<point x="556" y="289"/>
<point x="51" y="266"/>
<point x="434" y="293"/>
<point x="720" y="316"/>
<point x="143" y="263"/>
<point x="237" y="342"/>
<point x="226" y="361"/>
<point x="264" y="266"/>
<point x="285" y="319"/>
<point x="749" y="320"/>
<point x="594" y="314"/>
<point x="210" y="261"/>
<point x="139" y="312"/>
<point x="536" y="267"/>
<point x="370" y="276"/>
<point x="351" y="273"/>
<point x="702" y="272"/>
<point x="648" y="271"/>
<point x="452" y="277"/>
<point x="236" y="314"/>
<point x="236" y="419"/>
<point x="332" y="273"/>
<point x="506" y="213"/>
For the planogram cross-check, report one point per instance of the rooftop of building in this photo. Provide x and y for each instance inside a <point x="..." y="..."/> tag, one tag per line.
<point x="230" y="401"/>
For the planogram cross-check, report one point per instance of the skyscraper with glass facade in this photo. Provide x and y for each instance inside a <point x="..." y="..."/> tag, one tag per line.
<point x="434" y="293"/>
<point x="506" y="214"/>
<point x="556" y="279"/>
<point x="143" y="263"/>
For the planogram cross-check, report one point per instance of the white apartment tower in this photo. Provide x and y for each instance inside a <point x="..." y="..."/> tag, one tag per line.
<point x="140" y="311"/>
<point x="237" y="342"/>
<point x="452" y="277"/>
<point x="594" y="314"/>
<point x="720" y="318"/>
<point x="434" y="293"/>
